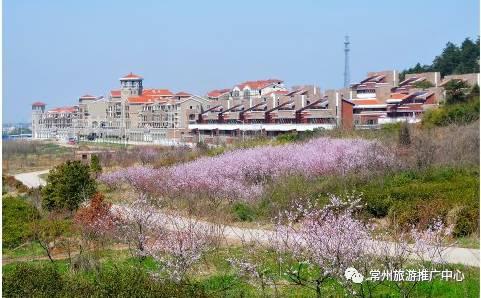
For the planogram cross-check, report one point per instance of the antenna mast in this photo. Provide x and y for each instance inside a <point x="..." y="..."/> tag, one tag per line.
<point x="346" y="62"/>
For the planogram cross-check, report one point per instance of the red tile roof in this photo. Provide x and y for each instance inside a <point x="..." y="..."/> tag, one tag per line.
<point x="38" y="104"/>
<point x="182" y="94"/>
<point x="141" y="99"/>
<point x="370" y="101"/>
<point x="157" y="92"/>
<point x="218" y="92"/>
<point x="131" y="76"/>
<point x="258" y="84"/>
<point x="115" y="93"/>
<point x="63" y="110"/>
<point x="398" y="95"/>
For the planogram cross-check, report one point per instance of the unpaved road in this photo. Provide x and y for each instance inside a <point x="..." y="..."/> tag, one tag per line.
<point x="453" y="255"/>
<point x="31" y="179"/>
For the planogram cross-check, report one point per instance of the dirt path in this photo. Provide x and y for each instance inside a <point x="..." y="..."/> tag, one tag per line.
<point x="55" y="256"/>
<point x="453" y="255"/>
<point x="31" y="179"/>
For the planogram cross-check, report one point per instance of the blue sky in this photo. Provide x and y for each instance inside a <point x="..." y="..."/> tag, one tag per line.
<point x="55" y="51"/>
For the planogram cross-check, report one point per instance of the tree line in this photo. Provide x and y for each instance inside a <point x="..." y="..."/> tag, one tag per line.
<point x="454" y="59"/>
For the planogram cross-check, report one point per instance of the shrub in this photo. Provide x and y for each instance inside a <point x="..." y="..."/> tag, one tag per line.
<point x="128" y="281"/>
<point x="417" y="197"/>
<point x="95" y="165"/>
<point x="462" y="113"/>
<point x="17" y="214"/>
<point x="243" y="211"/>
<point x="31" y="280"/>
<point x="34" y="280"/>
<point x="467" y="221"/>
<point x="68" y="185"/>
<point x="404" y="134"/>
<point x="287" y="138"/>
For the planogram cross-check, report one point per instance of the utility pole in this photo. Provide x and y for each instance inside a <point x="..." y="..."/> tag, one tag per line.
<point x="346" y="62"/>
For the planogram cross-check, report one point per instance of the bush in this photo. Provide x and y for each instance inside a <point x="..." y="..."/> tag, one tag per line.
<point x="127" y="281"/>
<point x="95" y="165"/>
<point x="404" y="134"/>
<point x="30" y="280"/>
<point x="243" y="212"/>
<point x="68" y="185"/>
<point x="462" y="113"/>
<point x="17" y="214"/>
<point x="467" y="221"/>
<point x="34" y="280"/>
<point x="417" y="197"/>
<point x="287" y="138"/>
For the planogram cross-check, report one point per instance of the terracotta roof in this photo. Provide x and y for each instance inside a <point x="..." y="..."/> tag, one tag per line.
<point x="157" y="92"/>
<point x="88" y="96"/>
<point x="218" y="92"/>
<point x="141" y="99"/>
<point x="62" y="110"/>
<point x="370" y="101"/>
<point x="258" y="84"/>
<point x="131" y="76"/>
<point x="182" y="94"/>
<point x="38" y="104"/>
<point x="115" y="93"/>
<point x="398" y="95"/>
<point x="145" y="99"/>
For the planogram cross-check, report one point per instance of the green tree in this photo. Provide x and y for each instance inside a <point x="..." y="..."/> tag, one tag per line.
<point x="50" y="231"/>
<point x="418" y="68"/>
<point x="424" y="84"/>
<point x="447" y="62"/>
<point x="68" y="185"/>
<point x="95" y="166"/>
<point x="17" y="213"/>
<point x="456" y="91"/>
<point x="453" y="60"/>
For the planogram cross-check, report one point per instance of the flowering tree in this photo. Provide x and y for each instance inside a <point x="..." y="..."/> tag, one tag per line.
<point x="137" y="222"/>
<point x="147" y="155"/>
<point x="178" y="245"/>
<point x="96" y="219"/>
<point x="242" y="173"/>
<point x="316" y="245"/>
<point x="330" y="238"/>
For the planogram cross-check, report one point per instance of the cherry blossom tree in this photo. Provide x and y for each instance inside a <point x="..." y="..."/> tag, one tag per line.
<point x="138" y="222"/>
<point x="243" y="173"/>
<point x="179" y="245"/>
<point x="330" y="238"/>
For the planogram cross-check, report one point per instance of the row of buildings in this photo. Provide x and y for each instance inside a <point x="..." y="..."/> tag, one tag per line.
<point x="133" y="113"/>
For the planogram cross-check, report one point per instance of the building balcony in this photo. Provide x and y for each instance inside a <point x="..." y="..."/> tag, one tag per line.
<point x="262" y="126"/>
